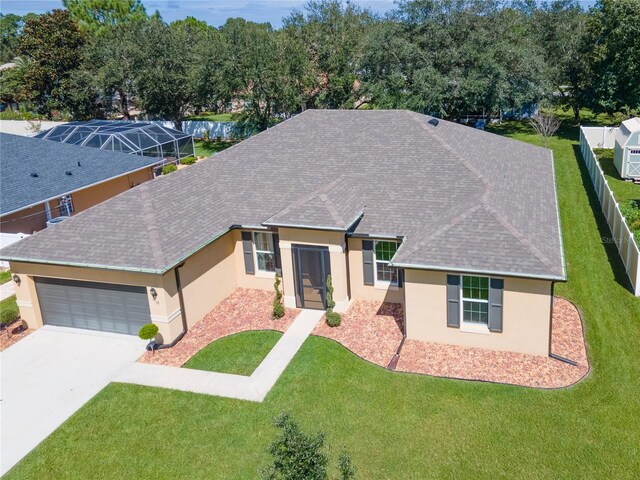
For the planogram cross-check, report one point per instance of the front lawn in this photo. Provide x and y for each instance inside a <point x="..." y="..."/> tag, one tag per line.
<point x="9" y="310"/>
<point x="5" y="276"/>
<point x="239" y="354"/>
<point x="398" y="425"/>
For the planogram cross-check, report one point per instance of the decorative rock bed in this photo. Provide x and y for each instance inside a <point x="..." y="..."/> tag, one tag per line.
<point x="373" y="331"/>
<point x="18" y="332"/>
<point x="245" y="309"/>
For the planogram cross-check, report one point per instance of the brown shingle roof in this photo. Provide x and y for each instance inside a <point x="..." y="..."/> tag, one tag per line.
<point x="463" y="199"/>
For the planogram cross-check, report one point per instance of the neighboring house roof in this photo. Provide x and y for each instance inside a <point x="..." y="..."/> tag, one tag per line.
<point x="462" y="199"/>
<point x="20" y="157"/>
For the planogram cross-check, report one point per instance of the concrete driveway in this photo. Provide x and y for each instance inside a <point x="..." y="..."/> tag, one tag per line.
<point x="49" y="375"/>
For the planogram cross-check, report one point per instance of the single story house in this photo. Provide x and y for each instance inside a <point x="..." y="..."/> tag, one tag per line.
<point x="43" y="180"/>
<point x="458" y="225"/>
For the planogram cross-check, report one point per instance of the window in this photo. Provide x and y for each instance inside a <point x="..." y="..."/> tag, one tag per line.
<point x="475" y="299"/>
<point x="634" y="151"/>
<point x="265" y="251"/>
<point x="65" y="205"/>
<point x="384" y="251"/>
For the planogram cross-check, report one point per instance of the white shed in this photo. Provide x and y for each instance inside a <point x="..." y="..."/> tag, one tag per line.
<point x="627" y="149"/>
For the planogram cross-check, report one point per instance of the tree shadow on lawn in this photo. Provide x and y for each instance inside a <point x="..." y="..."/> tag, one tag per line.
<point x="613" y="256"/>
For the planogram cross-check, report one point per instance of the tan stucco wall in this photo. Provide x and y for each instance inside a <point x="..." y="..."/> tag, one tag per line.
<point x="34" y="219"/>
<point x="359" y="290"/>
<point x="259" y="280"/>
<point x="337" y="259"/>
<point x="526" y="314"/>
<point x="208" y="277"/>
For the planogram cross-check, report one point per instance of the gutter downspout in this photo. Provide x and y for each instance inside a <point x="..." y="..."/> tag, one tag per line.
<point x="153" y="346"/>
<point x="394" y="361"/>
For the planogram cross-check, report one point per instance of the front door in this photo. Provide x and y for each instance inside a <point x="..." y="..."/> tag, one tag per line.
<point x="311" y="267"/>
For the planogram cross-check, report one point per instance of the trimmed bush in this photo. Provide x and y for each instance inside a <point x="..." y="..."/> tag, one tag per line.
<point x="333" y="318"/>
<point x="167" y="169"/>
<point x="330" y="302"/>
<point x="148" y="331"/>
<point x="278" y="309"/>
<point x="188" y="161"/>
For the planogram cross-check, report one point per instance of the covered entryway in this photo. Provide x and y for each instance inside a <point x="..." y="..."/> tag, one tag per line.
<point x="311" y="268"/>
<point x="93" y="306"/>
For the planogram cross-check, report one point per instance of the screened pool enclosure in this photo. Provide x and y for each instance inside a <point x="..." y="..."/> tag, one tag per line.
<point x="140" y="138"/>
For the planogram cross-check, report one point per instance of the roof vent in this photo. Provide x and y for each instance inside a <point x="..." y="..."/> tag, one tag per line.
<point x="434" y="122"/>
<point x="68" y="172"/>
<point x="34" y="174"/>
<point x="79" y="164"/>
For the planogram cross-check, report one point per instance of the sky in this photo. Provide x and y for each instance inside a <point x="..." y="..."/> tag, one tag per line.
<point x="214" y="12"/>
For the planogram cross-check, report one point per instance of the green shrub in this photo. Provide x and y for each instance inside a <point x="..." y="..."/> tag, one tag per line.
<point x="188" y="161"/>
<point x="333" y="318"/>
<point x="330" y="302"/>
<point x="148" y="331"/>
<point x="278" y="309"/>
<point x="9" y="311"/>
<point x="167" y="169"/>
<point x="297" y="455"/>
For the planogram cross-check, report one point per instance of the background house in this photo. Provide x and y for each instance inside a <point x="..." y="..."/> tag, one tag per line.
<point x="43" y="181"/>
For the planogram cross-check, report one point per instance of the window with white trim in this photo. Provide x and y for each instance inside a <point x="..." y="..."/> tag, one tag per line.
<point x="65" y="205"/>
<point x="265" y="251"/>
<point x="383" y="252"/>
<point x="475" y="299"/>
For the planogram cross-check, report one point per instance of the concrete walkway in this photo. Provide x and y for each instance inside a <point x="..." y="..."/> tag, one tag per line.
<point x="50" y="374"/>
<point x="254" y="388"/>
<point x="7" y="289"/>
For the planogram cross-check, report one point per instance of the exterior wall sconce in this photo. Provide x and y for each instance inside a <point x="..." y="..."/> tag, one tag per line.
<point x="153" y="293"/>
<point x="16" y="279"/>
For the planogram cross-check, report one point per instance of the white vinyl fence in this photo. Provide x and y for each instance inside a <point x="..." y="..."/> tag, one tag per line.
<point x="602" y="137"/>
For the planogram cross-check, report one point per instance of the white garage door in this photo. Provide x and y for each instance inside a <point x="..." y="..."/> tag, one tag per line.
<point x="94" y="306"/>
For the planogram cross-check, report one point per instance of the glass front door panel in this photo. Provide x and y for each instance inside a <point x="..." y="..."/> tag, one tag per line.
<point x="312" y="268"/>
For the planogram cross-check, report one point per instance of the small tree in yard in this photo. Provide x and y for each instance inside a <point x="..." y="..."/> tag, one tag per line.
<point x="278" y="309"/>
<point x="545" y="125"/>
<point x="148" y="332"/>
<point x="333" y="318"/>
<point x="297" y="456"/>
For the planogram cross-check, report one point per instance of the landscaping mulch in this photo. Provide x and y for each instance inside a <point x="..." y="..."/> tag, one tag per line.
<point x="371" y="330"/>
<point x="454" y="361"/>
<point x="245" y="309"/>
<point x="18" y="332"/>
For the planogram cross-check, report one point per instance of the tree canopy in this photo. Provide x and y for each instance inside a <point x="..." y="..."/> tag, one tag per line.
<point x="450" y="58"/>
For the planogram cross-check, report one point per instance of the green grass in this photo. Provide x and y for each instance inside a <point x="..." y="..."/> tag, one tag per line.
<point x="239" y="354"/>
<point x="398" y="425"/>
<point x="5" y="276"/>
<point x="9" y="310"/>
<point x="622" y="190"/>
<point x="206" y="149"/>
<point x="213" y="117"/>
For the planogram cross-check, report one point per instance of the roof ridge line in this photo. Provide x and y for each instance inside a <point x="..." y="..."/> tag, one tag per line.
<point x="483" y="179"/>
<point x="518" y="236"/>
<point x="148" y="215"/>
<point x="444" y="228"/>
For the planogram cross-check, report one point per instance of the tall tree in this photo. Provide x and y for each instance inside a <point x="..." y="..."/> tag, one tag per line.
<point x="10" y="26"/>
<point x="93" y="16"/>
<point x="612" y="43"/>
<point x="332" y="31"/>
<point x="53" y="45"/>
<point x="167" y="83"/>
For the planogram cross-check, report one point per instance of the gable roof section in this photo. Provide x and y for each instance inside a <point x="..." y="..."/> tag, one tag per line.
<point x="461" y="199"/>
<point x="22" y="156"/>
